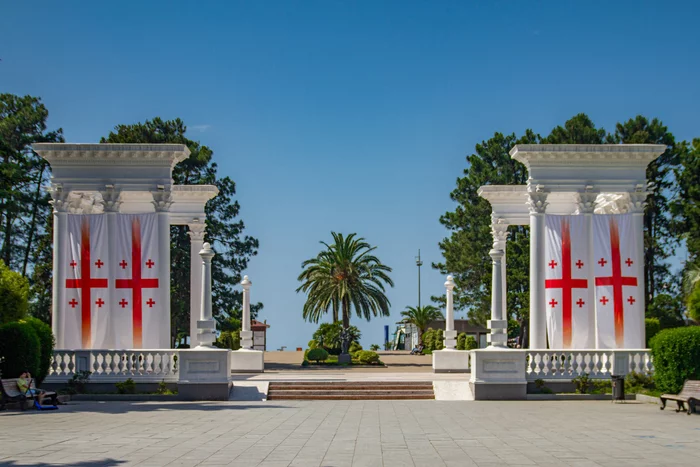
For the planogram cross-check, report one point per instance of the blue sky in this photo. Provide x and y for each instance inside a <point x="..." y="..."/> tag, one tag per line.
<point x="350" y="116"/>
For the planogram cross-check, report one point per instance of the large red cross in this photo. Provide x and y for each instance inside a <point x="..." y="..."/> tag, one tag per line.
<point x="617" y="280"/>
<point x="86" y="283"/>
<point x="566" y="283"/>
<point x="136" y="283"/>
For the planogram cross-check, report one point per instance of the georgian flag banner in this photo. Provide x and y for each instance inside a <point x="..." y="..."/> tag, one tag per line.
<point x="567" y="287"/>
<point x="139" y="318"/>
<point x="85" y="295"/>
<point x="619" y="285"/>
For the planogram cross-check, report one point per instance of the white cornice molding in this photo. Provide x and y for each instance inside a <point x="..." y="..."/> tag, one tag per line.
<point x="112" y="154"/>
<point x="585" y="154"/>
<point x="194" y="192"/>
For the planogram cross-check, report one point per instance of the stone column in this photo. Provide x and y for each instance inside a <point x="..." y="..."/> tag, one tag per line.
<point x="60" y="229"/>
<point x="637" y="203"/>
<point x="497" y="324"/>
<point x="499" y="231"/>
<point x="246" y="333"/>
<point x="111" y="203"/>
<point x="586" y="203"/>
<point x="196" y="233"/>
<point x="537" y="203"/>
<point x="450" y="333"/>
<point x="206" y="324"/>
<point x="162" y="200"/>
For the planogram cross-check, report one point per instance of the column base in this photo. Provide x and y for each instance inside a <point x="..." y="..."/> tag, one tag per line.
<point x="498" y="374"/>
<point x="246" y="339"/>
<point x="247" y="361"/>
<point x="450" y="361"/>
<point x="450" y="340"/>
<point x="203" y="374"/>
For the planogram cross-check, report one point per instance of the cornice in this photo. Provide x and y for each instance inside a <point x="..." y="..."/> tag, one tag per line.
<point x="598" y="154"/>
<point x="194" y="192"/>
<point x="111" y="154"/>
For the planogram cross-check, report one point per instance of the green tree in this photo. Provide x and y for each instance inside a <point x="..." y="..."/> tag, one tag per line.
<point x="686" y="206"/>
<point x="224" y="228"/>
<point x="668" y="309"/>
<point x="328" y="336"/>
<point x="14" y="295"/>
<point x="345" y="275"/>
<point x="659" y="236"/>
<point x="421" y="317"/>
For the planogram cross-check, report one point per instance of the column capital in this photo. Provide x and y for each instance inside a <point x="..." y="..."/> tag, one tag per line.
<point x="499" y="231"/>
<point x="586" y="202"/>
<point x="637" y="202"/>
<point x="197" y="231"/>
<point x="111" y="199"/>
<point x="59" y="199"/>
<point x="162" y="200"/>
<point x="537" y="200"/>
<point x="449" y="283"/>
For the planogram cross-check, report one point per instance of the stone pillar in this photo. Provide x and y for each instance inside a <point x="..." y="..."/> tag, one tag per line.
<point x="60" y="228"/>
<point x="196" y="233"/>
<point x="111" y="203"/>
<point x="246" y="332"/>
<point x="206" y="324"/>
<point x="537" y="203"/>
<point x="637" y="203"/>
<point x="162" y="200"/>
<point x="450" y="333"/>
<point x="497" y="324"/>
<point x="586" y="203"/>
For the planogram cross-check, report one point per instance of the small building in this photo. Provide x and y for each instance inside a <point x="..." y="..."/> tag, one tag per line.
<point x="259" y="334"/>
<point x="406" y="336"/>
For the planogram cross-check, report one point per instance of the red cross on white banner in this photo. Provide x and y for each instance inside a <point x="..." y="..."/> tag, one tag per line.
<point x="561" y="280"/>
<point x="136" y="283"/>
<point x="617" y="282"/>
<point x="85" y="283"/>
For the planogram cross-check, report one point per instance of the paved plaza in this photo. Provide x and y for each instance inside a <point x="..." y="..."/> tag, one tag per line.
<point x="353" y="433"/>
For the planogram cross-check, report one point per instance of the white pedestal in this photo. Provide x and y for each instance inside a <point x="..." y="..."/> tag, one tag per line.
<point x="247" y="361"/>
<point x="450" y="340"/>
<point x="246" y="340"/>
<point x="498" y="374"/>
<point x="450" y="361"/>
<point x="204" y="374"/>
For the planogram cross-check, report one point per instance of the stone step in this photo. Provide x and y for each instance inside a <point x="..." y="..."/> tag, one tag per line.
<point x="341" y="397"/>
<point x="353" y="383"/>
<point x="285" y="392"/>
<point x="352" y="388"/>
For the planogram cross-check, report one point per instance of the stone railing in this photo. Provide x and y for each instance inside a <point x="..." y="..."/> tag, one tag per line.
<point x="141" y="365"/>
<point x="568" y="364"/>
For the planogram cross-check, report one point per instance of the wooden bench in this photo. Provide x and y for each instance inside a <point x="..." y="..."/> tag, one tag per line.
<point x="690" y="394"/>
<point x="10" y="392"/>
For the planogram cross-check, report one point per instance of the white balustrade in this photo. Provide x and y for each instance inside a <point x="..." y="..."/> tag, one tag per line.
<point x="141" y="365"/>
<point x="569" y="364"/>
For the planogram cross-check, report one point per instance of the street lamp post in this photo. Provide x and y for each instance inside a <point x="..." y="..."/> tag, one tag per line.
<point x="419" y="263"/>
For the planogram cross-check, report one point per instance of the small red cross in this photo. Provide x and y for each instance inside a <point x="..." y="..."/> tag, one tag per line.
<point x="602" y="262"/>
<point x="580" y="303"/>
<point x="631" y="300"/>
<point x="604" y="300"/>
<point x="99" y="263"/>
<point x="552" y="264"/>
<point x="123" y="264"/>
<point x="579" y="264"/>
<point x="123" y="303"/>
<point x="73" y="303"/>
<point x="150" y="303"/>
<point x="73" y="264"/>
<point x="553" y="302"/>
<point x="629" y="262"/>
<point x="99" y="302"/>
<point x="150" y="264"/>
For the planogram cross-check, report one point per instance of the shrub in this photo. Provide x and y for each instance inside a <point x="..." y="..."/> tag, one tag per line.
<point x="539" y="384"/>
<point x="14" y="295"/>
<point x="46" y="345"/>
<point x="354" y="347"/>
<point x="461" y="340"/>
<point x="367" y="357"/>
<point x="374" y="347"/>
<point x="77" y="383"/>
<point x="20" y="350"/>
<point x="433" y="339"/>
<point x="694" y="304"/>
<point x="328" y="336"/>
<point x="470" y="343"/>
<point x="582" y="383"/>
<point x="312" y="344"/>
<point x="126" y="387"/>
<point x="317" y="355"/>
<point x="676" y="354"/>
<point x="652" y="327"/>
<point x="229" y="340"/>
<point x="635" y="381"/>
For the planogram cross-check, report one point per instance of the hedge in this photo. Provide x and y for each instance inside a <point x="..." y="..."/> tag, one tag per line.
<point x="317" y="355"/>
<point x="46" y="345"/>
<point x="14" y="295"/>
<point x="20" y="349"/>
<point x="652" y="327"/>
<point x="367" y="357"/>
<point x="676" y="354"/>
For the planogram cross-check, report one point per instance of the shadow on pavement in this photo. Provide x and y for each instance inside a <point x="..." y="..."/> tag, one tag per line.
<point x="102" y="462"/>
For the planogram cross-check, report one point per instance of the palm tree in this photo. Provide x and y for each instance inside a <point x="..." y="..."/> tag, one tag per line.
<point x="421" y="317"/>
<point x="345" y="275"/>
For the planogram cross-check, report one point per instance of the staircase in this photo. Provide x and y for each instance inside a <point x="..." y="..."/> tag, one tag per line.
<point x="355" y="390"/>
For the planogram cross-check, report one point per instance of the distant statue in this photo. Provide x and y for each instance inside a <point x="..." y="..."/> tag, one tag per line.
<point x="344" y="341"/>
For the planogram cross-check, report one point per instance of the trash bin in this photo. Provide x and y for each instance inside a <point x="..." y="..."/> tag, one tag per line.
<point x="618" y="388"/>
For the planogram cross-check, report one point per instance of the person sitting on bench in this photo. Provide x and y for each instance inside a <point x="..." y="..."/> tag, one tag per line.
<point x="24" y="383"/>
<point x="417" y="350"/>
